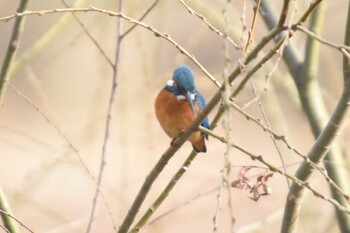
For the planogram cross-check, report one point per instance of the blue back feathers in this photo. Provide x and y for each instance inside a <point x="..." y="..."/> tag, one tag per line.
<point x="184" y="80"/>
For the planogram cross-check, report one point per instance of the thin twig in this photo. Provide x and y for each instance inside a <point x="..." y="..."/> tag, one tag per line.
<point x="268" y="126"/>
<point x="121" y="15"/>
<point x="199" y="195"/>
<point x="67" y="140"/>
<point x="53" y="124"/>
<point x="277" y="136"/>
<point x="43" y="41"/>
<point x="141" y="18"/>
<point x="2" y="227"/>
<point x="17" y="220"/>
<point x="98" y="46"/>
<point x="306" y="159"/>
<point x="202" y="194"/>
<point x="251" y="30"/>
<point x="279" y="58"/>
<point x="211" y="27"/>
<point x="342" y="48"/>
<point x="108" y="120"/>
<point x="273" y="168"/>
<point x="218" y="203"/>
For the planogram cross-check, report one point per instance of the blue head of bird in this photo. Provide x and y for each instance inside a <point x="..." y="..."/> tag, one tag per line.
<point x="184" y="80"/>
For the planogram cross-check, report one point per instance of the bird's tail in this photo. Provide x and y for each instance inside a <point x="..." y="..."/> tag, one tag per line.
<point x="199" y="144"/>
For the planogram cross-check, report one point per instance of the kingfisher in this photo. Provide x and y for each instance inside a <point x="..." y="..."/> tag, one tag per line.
<point x="178" y="104"/>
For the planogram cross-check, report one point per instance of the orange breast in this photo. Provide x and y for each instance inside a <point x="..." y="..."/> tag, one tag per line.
<point x="175" y="116"/>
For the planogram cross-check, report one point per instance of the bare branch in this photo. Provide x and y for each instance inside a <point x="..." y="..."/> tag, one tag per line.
<point x="342" y="48"/>
<point x="273" y="168"/>
<point x="66" y="139"/>
<point x="251" y="30"/>
<point x="268" y="126"/>
<point x="141" y="18"/>
<point x="17" y="220"/>
<point x="211" y="27"/>
<point x="108" y="120"/>
<point x="98" y="46"/>
<point x="121" y="15"/>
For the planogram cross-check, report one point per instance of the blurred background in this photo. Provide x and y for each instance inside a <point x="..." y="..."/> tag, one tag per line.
<point x="70" y="81"/>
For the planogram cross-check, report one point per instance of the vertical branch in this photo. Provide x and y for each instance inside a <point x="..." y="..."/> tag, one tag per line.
<point x="108" y="120"/>
<point x="9" y="223"/>
<point x="225" y="171"/>
<point x="319" y="150"/>
<point x="11" y="50"/>
<point x="228" y="94"/>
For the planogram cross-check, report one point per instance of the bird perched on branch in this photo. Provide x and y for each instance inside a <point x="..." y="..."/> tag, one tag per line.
<point x="178" y="104"/>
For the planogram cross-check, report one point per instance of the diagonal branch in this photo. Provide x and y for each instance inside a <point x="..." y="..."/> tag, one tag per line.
<point x="121" y="15"/>
<point x="272" y="168"/>
<point x="213" y="102"/>
<point x="211" y="27"/>
<point x="167" y="155"/>
<point x="98" y="46"/>
<point x="345" y="50"/>
<point x="181" y="139"/>
<point x="16" y="220"/>
<point x="141" y="18"/>
<point x="67" y="140"/>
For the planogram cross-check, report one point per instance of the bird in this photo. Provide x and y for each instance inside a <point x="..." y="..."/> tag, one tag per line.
<point x="178" y="104"/>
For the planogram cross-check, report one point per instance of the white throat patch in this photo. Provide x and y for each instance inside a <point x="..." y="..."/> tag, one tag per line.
<point x="170" y="83"/>
<point x="182" y="97"/>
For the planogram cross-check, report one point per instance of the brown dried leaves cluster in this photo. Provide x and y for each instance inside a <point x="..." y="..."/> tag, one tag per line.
<point x="257" y="188"/>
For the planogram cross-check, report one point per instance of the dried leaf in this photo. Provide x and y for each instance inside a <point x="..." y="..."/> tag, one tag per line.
<point x="256" y="194"/>
<point x="243" y="182"/>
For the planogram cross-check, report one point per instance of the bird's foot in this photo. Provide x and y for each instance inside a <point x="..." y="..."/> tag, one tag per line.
<point x="172" y="143"/>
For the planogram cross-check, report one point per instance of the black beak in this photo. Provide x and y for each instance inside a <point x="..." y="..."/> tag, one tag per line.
<point x="190" y="101"/>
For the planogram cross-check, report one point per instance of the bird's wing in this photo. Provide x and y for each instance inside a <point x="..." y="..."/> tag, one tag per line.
<point x="201" y="102"/>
